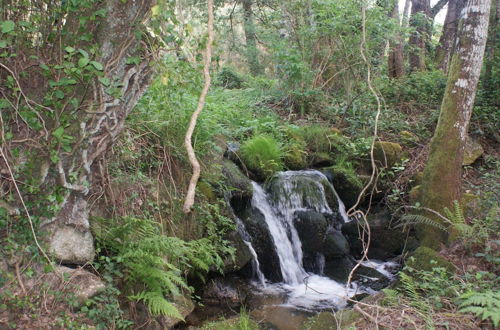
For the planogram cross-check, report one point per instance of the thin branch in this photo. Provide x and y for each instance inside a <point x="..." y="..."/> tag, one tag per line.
<point x="437" y="7"/>
<point x="189" y="201"/>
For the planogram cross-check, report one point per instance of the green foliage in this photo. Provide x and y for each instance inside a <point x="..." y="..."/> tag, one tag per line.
<point x="263" y="155"/>
<point x="485" y="305"/>
<point x="154" y="264"/>
<point x="229" y="78"/>
<point x="317" y="137"/>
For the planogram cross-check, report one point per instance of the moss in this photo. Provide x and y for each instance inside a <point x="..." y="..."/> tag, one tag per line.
<point x="425" y="258"/>
<point x="234" y="323"/>
<point x="387" y="154"/>
<point x="235" y="180"/>
<point x="318" y="138"/>
<point x="206" y="190"/>
<point x="346" y="182"/>
<point x="417" y="178"/>
<point x="296" y="155"/>
<point x="317" y="159"/>
<point x="408" y="136"/>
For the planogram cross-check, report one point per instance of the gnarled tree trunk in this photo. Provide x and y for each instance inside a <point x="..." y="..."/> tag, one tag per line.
<point x="442" y="175"/>
<point x="419" y="21"/>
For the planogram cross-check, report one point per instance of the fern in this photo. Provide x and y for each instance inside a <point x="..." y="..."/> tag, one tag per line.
<point x="485" y="305"/>
<point x="157" y="304"/>
<point x="418" y="219"/>
<point x="155" y="264"/>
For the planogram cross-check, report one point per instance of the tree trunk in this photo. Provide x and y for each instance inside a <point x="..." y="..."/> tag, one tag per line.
<point x="252" y="53"/>
<point x="406" y="13"/>
<point x="419" y="21"/>
<point x="448" y="37"/>
<point x="395" y="65"/>
<point x="86" y="117"/>
<point x="490" y="84"/>
<point x="442" y="175"/>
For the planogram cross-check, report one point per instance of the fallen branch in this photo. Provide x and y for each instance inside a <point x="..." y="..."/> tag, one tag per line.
<point x="189" y="201"/>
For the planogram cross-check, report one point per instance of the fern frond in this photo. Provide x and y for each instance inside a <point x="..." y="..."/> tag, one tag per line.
<point x="157" y="304"/>
<point x="418" y="219"/>
<point x="485" y="305"/>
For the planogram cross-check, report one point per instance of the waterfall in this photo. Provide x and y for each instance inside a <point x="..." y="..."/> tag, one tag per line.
<point x="289" y="252"/>
<point x="296" y="191"/>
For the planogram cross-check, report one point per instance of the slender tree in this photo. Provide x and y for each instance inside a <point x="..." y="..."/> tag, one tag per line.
<point x="252" y="53"/>
<point x="419" y="21"/>
<point x="442" y="175"/>
<point x="448" y="37"/>
<point x="395" y="63"/>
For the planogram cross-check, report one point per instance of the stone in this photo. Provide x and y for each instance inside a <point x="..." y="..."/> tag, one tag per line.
<point x="80" y="282"/>
<point x="68" y="236"/>
<point x="387" y="154"/>
<point x="184" y="305"/>
<point x="242" y="253"/>
<point x="338" y="269"/>
<point x="220" y="291"/>
<point x="238" y="183"/>
<point x="473" y="150"/>
<point x="320" y="159"/>
<point x="335" y="245"/>
<point x="311" y="227"/>
<point x="426" y="259"/>
<point x="346" y="183"/>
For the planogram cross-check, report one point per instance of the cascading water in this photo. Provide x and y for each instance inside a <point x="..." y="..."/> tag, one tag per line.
<point x="297" y="191"/>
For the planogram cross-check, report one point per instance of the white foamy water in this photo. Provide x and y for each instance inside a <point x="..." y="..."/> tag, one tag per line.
<point x="385" y="268"/>
<point x="304" y="290"/>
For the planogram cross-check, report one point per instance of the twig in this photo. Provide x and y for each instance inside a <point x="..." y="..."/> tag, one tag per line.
<point x="188" y="203"/>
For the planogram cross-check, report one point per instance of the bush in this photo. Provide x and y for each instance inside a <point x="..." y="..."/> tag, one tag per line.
<point x="317" y="138"/>
<point x="228" y="78"/>
<point x="262" y="155"/>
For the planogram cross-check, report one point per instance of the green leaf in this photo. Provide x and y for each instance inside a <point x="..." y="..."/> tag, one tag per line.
<point x="105" y="81"/>
<point x="58" y="132"/>
<point x="7" y="26"/>
<point x="59" y="94"/>
<point x="84" y="53"/>
<point x="96" y="65"/>
<point x="45" y="67"/>
<point x="3" y="43"/>
<point x="3" y="104"/>
<point x="83" y="62"/>
<point x="69" y="49"/>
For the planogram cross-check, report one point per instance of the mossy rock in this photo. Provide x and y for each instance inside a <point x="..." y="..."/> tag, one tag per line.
<point x="387" y="154"/>
<point x="425" y="258"/>
<point x="346" y="182"/>
<point x="417" y="178"/>
<point x="473" y="150"/>
<point x="320" y="159"/>
<point x="235" y="180"/>
<point x="409" y="136"/>
<point x="262" y="155"/>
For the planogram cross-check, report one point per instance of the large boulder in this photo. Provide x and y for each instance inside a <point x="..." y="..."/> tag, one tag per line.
<point x="242" y="253"/>
<point x="311" y="227"/>
<point x="238" y="183"/>
<point x="69" y="237"/>
<point x="262" y="241"/>
<point x="346" y="183"/>
<point x="335" y="245"/>
<point x="338" y="269"/>
<point x="473" y="150"/>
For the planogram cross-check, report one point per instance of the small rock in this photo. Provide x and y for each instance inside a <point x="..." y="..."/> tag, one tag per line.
<point x="387" y="154"/>
<point x="473" y="150"/>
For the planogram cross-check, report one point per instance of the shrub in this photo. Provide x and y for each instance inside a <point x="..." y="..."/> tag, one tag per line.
<point x="228" y="78"/>
<point x="317" y="138"/>
<point x="262" y="155"/>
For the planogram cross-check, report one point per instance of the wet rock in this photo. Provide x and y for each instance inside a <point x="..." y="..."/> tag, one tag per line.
<point x="68" y="236"/>
<point x="338" y="269"/>
<point x="220" y="291"/>
<point x="262" y="242"/>
<point x="242" y="253"/>
<point x="473" y="150"/>
<point x="335" y="245"/>
<point x="321" y="159"/>
<point x="371" y="278"/>
<point x="232" y="149"/>
<point x="311" y="227"/>
<point x="238" y="183"/>
<point x="425" y="258"/>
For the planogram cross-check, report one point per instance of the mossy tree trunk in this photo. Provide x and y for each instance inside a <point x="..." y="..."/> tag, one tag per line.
<point x="448" y="37"/>
<point x="252" y="53"/>
<point x="395" y="65"/>
<point x="88" y="68"/>
<point x="492" y="59"/>
<point x="441" y="183"/>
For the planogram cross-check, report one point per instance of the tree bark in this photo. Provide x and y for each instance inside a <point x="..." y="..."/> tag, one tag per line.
<point x="419" y="21"/>
<point x="448" y="37"/>
<point x="395" y="65"/>
<point x="90" y="114"/>
<point x="252" y="53"/>
<point x="490" y="84"/>
<point x="442" y="175"/>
